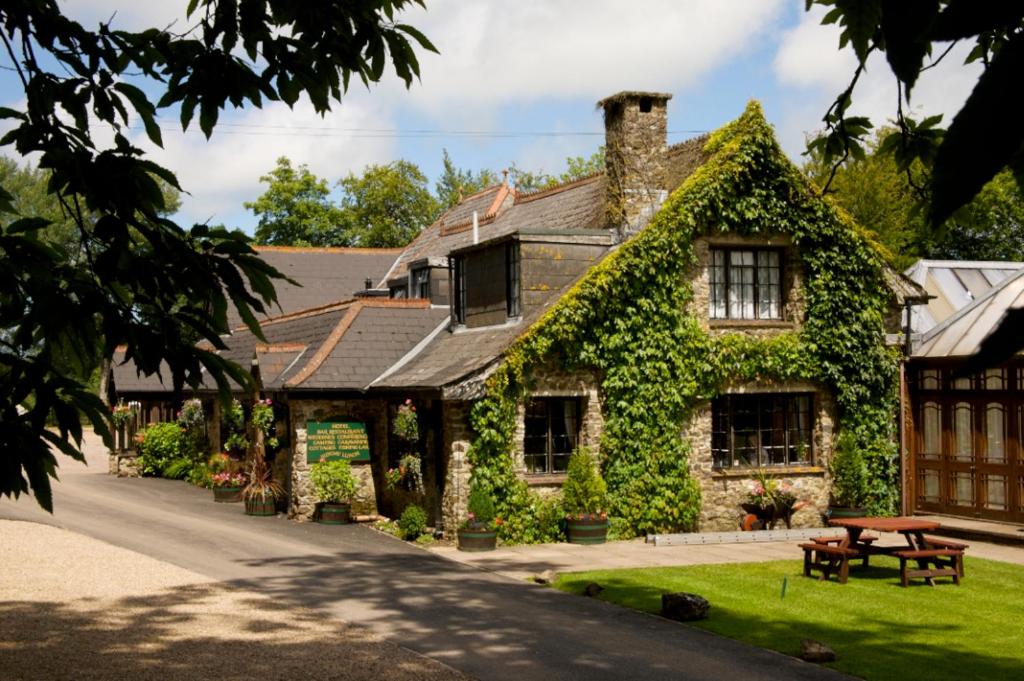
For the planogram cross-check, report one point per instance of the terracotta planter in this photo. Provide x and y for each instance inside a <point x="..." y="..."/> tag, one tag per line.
<point x="589" y="531"/>
<point x="257" y="506"/>
<point x="334" y="514"/>
<point x="477" y="540"/>
<point x="227" y="495"/>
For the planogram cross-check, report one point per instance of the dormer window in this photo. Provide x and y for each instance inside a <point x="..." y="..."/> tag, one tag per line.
<point x="486" y="284"/>
<point x="421" y="283"/>
<point x="746" y="283"/>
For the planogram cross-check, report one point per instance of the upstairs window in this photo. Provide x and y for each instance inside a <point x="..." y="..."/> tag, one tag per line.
<point x="398" y="291"/>
<point x="421" y="283"/>
<point x="745" y="284"/>
<point x="756" y="431"/>
<point x="552" y="428"/>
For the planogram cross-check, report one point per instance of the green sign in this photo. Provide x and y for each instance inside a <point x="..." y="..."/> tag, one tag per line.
<point x="337" y="440"/>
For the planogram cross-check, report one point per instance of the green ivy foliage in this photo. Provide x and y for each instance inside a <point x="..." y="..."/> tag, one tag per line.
<point x="632" y="319"/>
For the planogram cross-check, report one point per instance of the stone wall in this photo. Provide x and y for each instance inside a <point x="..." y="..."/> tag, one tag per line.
<point x="456" y="440"/>
<point x="722" y="491"/>
<point x="302" y="504"/>
<point x="123" y="464"/>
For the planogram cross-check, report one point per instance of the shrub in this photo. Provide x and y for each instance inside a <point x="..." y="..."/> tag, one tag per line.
<point x="584" y="491"/>
<point x="531" y="518"/>
<point x="192" y="421"/>
<point x="160" y="446"/>
<point x="413" y="522"/>
<point x="849" y="471"/>
<point x="333" y="481"/>
<point x="480" y="504"/>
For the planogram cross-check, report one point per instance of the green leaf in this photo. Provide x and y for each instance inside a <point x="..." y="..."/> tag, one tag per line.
<point x="985" y="135"/>
<point x="906" y="28"/>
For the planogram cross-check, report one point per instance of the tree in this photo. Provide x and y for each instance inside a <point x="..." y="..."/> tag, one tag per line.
<point x="296" y="209"/>
<point x="455" y="183"/>
<point x="576" y="167"/>
<point x="882" y="199"/>
<point x="144" y="281"/>
<point x="387" y="205"/>
<point x="985" y="136"/>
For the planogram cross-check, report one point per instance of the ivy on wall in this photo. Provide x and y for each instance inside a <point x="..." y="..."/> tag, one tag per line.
<point x="631" y="318"/>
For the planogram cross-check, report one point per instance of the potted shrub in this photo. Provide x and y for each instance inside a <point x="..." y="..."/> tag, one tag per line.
<point x="849" y="471"/>
<point x="334" y="486"/>
<point x="261" y="492"/>
<point x="479" y="532"/>
<point x="227" y="486"/>
<point x="585" y="496"/>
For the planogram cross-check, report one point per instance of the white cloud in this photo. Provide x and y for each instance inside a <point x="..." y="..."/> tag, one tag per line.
<point x="491" y="53"/>
<point x="222" y="173"/>
<point x="808" y="59"/>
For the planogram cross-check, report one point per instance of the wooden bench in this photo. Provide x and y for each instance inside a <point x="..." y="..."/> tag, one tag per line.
<point x="931" y="563"/>
<point x="838" y="539"/>
<point x="934" y="543"/>
<point x="828" y="559"/>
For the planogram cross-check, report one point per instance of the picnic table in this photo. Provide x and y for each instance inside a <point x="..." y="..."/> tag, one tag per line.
<point x="933" y="557"/>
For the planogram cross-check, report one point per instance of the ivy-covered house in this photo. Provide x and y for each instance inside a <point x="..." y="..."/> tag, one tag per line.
<point x="691" y="315"/>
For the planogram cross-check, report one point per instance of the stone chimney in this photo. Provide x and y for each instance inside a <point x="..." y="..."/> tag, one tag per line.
<point x="636" y="139"/>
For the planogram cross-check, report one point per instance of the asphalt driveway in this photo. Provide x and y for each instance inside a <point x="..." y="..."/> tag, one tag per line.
<point x="481" y="623"/>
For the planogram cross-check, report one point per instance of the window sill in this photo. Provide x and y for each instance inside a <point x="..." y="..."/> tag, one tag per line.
<point x="780" y="471"/>
<point x="539" y="479"/>
<point x="750" y="324"/>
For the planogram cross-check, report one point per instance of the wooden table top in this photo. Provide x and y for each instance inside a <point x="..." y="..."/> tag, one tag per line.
<point x="899" y="524"/>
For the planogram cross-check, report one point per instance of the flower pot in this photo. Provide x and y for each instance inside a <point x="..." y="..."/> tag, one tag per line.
<point x="334" y="514"/>
<point x="477" y="540"/>
<point x="261" y="506"/>
<point x="227" y="495"/>
<point x="587" y="531"/>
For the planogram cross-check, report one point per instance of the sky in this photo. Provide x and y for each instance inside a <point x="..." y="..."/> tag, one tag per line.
<point x="518" y="82"/>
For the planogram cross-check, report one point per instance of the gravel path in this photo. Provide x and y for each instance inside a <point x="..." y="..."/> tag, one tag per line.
<point x="72" y="607"/>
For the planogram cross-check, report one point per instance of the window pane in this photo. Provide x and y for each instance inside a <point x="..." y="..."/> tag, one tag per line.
<point x="768" y="289"/>
<point x="995" y="433"/>
<point x="563" y="433"/>
<point x="720" y="456"/>
<point x="930" y="379"/>
<point x="717" y="302"/>
<point x="535" y="439"/>
<point x="995" y="492"/>
<point x="928" y="486"/>
<point x="741" y="284"/>
<point x="931" y="419"/>
<point x="994" y="379"/>
<point x="963" y="447"/>
<point x="963" y="489"/>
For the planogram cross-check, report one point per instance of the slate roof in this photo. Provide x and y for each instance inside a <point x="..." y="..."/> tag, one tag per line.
<point x="353" y="343"/>
<point x="343" y="346"/>
<point x="961" y="334"/>
<point x="955" y="285"/>
<point x="326" y="274"/>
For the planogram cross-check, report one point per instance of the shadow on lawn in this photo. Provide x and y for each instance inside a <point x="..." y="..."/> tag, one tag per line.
<point x="875" y="647"/>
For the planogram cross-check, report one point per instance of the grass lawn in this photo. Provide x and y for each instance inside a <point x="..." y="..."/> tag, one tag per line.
<point x="878" y="629"/>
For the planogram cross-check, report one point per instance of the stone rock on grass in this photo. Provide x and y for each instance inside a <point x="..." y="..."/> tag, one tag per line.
<point x="593" y="589"/>
<point x="546" y="577"/>
<point x="813" y="651"/>
<point x="684" y="607"/>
